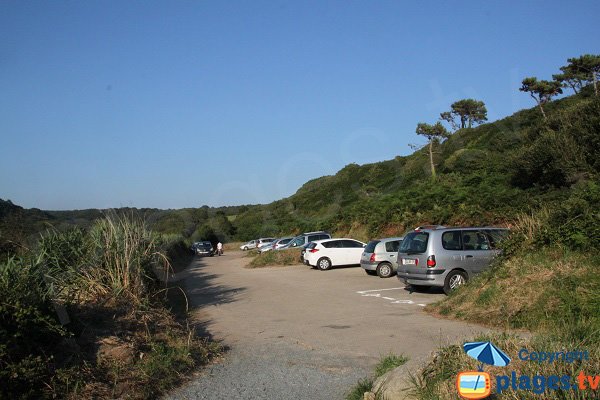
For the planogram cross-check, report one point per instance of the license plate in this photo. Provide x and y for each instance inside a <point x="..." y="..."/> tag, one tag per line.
<point x="406" y="261"/>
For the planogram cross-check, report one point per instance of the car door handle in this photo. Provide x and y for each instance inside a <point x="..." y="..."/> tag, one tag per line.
<point x="469" y="256"/>
<point x="393" y="255"/>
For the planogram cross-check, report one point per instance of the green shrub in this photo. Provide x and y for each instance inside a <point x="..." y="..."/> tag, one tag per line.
<point x="29" y="331"/>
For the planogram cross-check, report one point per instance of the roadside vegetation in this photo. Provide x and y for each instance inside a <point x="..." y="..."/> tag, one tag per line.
<point x="384" y="365"/>
<point x="82" y="315"/>
<point x="271" y="258"/>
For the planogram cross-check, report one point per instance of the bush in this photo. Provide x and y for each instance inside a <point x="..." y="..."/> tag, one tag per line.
<point x="276" y="257"/>
<point x="29" y="331"/>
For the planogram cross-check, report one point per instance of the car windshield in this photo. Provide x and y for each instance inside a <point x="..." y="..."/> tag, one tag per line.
<point x="414" y="243"/>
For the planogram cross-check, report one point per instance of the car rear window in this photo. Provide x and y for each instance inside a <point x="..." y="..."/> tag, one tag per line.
<point x="415" y="243"/>
<point x="371" y="246"/>
<point x="392" y="246"/>
<point x="352" y="244"/>
<point x="311" y="246"/>
<point x="495" y="236"/>
<point x="285" y="241"/>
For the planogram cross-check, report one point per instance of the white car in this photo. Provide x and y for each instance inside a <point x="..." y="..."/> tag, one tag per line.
<point x="324" y="254"/>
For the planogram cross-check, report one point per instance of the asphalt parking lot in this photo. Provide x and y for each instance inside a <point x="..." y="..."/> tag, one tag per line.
<point x="297" y="332"/>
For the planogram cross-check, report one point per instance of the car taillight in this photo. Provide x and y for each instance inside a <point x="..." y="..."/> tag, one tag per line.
<point x="313" y="250"/>
<point x="431" y="261"/>
<point x="372" y="259"/>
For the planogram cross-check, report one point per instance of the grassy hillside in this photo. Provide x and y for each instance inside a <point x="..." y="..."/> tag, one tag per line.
<point x="487" y="175"/>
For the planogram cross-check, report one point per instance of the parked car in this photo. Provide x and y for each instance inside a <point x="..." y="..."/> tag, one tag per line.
<point x="255" y="244"/>
<point x="203" y="248"/>
<point x="380" y="257"/>
<point x="306" y="238"/>
<point x="275" y="244"/>
<point x="279" y="243"/>
<point x="328" y="253"/>
<point x="248" y="245"/>
<point x="447" y="257"/>
<point x="301" y="241"/>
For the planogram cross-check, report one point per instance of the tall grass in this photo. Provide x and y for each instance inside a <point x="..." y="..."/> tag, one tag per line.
<point x="105" y="279"/>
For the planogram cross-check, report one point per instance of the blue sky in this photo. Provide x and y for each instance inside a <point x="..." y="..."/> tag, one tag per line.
<point x="173" y="104"/>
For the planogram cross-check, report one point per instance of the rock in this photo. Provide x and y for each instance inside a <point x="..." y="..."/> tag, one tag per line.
<point x="369" y="396"/>
<point x="394" y="385"/>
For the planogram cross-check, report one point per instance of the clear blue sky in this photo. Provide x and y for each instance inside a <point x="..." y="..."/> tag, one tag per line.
<point x="173" y="104"/>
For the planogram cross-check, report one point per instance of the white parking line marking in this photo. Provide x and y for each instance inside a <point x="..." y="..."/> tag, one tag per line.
<point x="378" y="290"/>
<point x="374" y="293"/>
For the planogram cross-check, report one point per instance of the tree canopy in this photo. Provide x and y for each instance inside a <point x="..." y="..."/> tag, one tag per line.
<point x="541" y="91"/>
<point x="468" y="111"/>
<point x="434" y="133"/>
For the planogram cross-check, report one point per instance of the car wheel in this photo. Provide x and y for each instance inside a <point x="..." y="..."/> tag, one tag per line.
<point x="385" y="270"/>
<point x="245" y="248"/>
<point x="369" y="272"/>
<point x="453" y="280"/>
<point x="324" y="264"/>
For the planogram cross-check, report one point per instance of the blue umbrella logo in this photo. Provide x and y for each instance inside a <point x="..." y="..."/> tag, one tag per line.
<point x="486" y="353"/>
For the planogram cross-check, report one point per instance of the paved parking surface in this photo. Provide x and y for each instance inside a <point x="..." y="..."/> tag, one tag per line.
<point x="296" y="332"/>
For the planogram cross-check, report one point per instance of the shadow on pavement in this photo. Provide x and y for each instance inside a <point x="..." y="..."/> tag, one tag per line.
<point x="201" y="290"/>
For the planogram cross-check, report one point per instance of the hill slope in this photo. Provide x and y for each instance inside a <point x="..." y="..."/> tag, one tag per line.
<point x="487" y="175"/>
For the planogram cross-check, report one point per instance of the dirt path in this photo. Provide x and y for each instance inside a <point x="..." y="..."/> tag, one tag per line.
<point x="300" y="333"/>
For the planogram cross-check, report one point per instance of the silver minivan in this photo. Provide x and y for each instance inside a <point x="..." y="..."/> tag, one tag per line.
<point x="447" y="257"/>
<point x="380" y="257"/>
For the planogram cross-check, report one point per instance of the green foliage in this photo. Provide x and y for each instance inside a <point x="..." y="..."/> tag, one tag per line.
<point x="359" y="390"/>
<point x="105" y="278"/>
<point x="468" y="111"/>
<point x="29" y="332"/>
<point x="541" y="91"/>
<point x="388" y="363"/>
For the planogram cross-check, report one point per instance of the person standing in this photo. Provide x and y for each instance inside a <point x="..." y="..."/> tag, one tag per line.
<point x="219" y="248"/>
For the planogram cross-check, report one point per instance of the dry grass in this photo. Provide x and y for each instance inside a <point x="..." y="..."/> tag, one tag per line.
<point x="233" y="246"/>
<point x="274" y="258"/>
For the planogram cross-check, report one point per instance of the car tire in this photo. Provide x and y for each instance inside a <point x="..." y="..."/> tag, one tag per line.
<point x="369" y="272"/>
<point x="245" y="248"/>
<point x="385" y="270"/>
<point x="453" y="280"/>
<point x="324" y="264"/>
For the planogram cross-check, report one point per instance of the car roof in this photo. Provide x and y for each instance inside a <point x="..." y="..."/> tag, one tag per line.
<point x="390" y="238"/>
<point x="332" y="239"/>
<point x="454" y="228"/>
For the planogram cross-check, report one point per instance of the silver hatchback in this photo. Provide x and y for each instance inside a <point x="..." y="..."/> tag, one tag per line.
<point x="380" y="257"/>
<point x="447" y="257"/>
